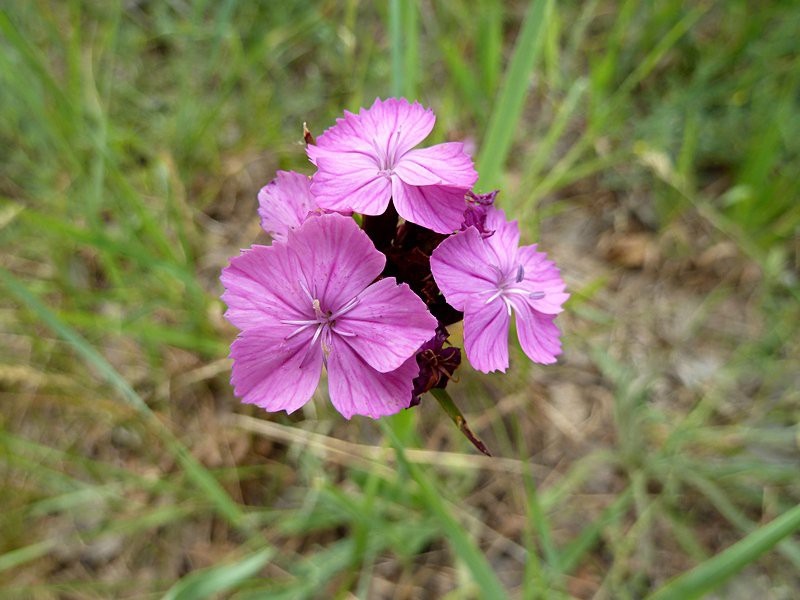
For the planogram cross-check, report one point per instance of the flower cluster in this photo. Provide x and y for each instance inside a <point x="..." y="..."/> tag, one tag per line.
<point x="372" y="303"/>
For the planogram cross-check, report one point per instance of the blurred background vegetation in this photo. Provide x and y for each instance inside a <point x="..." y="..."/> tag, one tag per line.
<point x="650" y="147"/>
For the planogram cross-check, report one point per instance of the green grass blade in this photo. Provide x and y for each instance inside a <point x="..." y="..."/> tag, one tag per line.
<point x="196" y="472"/>
<point x="82" y="347"/>
<point x="538" y="519"/>
<point x="715" y="571"/>
<point x="455" y="414"/>
<point x="219" y="579"/>
<point x="462" y="545"/>
<point x="572" y="554"/>
<point x="556" y="129"/>
<point x="667" y="42"/>
<point x="20" y="556"/>
<point x="396" y="45"/>
<point x="462" y="75"/>
<point x="490" y="44"/>
<point x="410" y="49"/>
<point x="404" y="47"/>
<point x="505" y="118"/>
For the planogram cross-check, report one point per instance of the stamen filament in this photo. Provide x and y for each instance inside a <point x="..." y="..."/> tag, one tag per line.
<point x="343" y="332"/>
<point x="495" y="295"/>
<point x="299" y="329"/>
<point x="320" y="327"/>
<point x="350" y="305"/>
<point x="304" y="287"/>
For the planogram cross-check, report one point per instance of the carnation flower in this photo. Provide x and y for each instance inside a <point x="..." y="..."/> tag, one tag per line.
<point x="285" y="203"/>
<point x="366" y="160"/>
<point x="311" y="301"/>
<point x="489" y="278"/>
<point x="371" y="306"/>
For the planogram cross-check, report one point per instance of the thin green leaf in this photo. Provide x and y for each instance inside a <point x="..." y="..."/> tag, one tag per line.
<point x="590" y="535"/>
<point x="462" y="545"/>
<point x="712" y="573"/>
<point x="505" y="119"/>
<point x="396" y="43"/>
<point x="20" y="556"/>
<point x="449" y="407"/>
<point x="196" y="472"/>
<point x="218" y="579"/>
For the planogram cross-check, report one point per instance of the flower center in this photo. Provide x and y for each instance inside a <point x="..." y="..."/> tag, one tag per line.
<point x="324" y="322"/>
<point x="508" y="286"/>
<point x="387" y="157"/>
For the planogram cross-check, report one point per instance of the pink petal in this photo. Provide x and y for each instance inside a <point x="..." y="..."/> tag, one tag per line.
<point x="347" y="135"/>
<point x="350" y="182"/>
<point x="387" y="129"/>
<point x="486" y="335"/>
<point x="335" y="258"/>
<point x="261" y="287"/>
<point x="538" y="335"/>
<point x="390" y="323"/>
<point x="396" y="125"/>
<point x="358" y="389"/>
<point x="273" y="372"/>
<point x="460" y="267"/>
<point x="504" y="243"/>
<point x="442" y="164"/>
<point x="436" y="207"/>
<point x="284" y="203"/>
<point x="541" y="276"/>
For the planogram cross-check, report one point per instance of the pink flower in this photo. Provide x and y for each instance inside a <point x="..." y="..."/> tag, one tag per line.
<point x="285" y="203"/>
<point x="489" y="278"/>
<point x="311" y="301"/>
<point x="365" y="160"/>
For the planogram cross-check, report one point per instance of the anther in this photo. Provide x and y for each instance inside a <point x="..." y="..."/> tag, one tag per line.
<point x="520" y="273"/>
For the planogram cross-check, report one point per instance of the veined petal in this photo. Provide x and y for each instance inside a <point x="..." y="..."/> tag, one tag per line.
<point x="538" y="335"/>
<point x="543" y="279"/>
<point x="437" y="207"/>
<point x="460" y="267"/>
<point x="486" y="335"/>
<point x="442" y="164"/>
<point x="335" y="258"/>
<point x="390" y="323"/>
<point x="284" y="203"/>
<point x="358" y="389"/>
<point x="273" y="372"/>
<point x="397" y="125"/>
<point x="384" y="131"/>
<point x="260" y="287"/>
<point x="346" y="135"/>
<point x="350" y="182"/>
<point x="504" y="243"/>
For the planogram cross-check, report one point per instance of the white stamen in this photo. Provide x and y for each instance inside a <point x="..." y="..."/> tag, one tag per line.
<point x="304" y="287"/>
<point x="299" y="329"/>
<point x="345" y="309"/>
<point x="343" y="333"/>
<point x="324" y="323"/>
<point x="509" y="305"/>
<point x="497" y="294"/>
<point x="320" y="327"/>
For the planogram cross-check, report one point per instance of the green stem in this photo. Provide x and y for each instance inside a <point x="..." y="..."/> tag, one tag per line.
<point x="447" y="404"/>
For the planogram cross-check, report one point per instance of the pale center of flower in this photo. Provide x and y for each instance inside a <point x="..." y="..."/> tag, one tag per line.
<point x="508" y="287"/>
<point x="387" y="157"/>
<point x="324" y="322"/>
